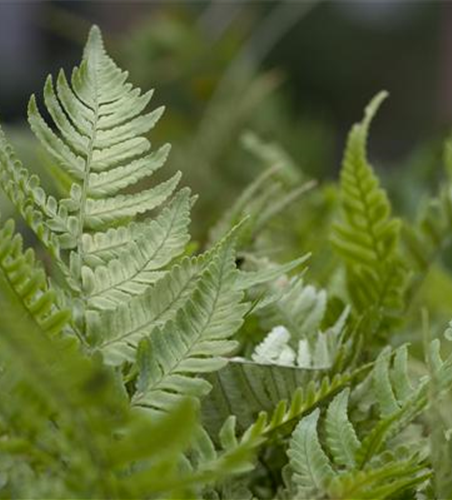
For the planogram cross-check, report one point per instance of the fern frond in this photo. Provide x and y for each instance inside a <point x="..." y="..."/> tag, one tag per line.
<point x="355" y="469"/>
<point x="384" y="392"/>
<point x="341" y="437"/>
<point x="52" y="223"/>
<point x="139" y="264"/>
<point x="27" y="282"/>
<point x="380" y="483"/>
<point x="311" y="466"/>
<point x="195" y="341"/>
<point x="97" y="139"/>
<point x="398" y="407"/>
<point x="117" y="332"/>
<point x="367" y="237"/>
<point x="284" y="393"/>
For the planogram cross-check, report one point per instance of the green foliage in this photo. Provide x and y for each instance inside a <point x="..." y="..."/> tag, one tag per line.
<point x="360" y="468"/>
<point x="120" y="282"/>
<point x="368" y="237"/>
<point x="133" y="366"/>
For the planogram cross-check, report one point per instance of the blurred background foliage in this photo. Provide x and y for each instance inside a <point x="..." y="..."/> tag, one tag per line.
<point x="250" y="86"/>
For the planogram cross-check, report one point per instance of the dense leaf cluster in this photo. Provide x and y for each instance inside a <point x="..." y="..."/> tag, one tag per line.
<point x="133" y="367"/>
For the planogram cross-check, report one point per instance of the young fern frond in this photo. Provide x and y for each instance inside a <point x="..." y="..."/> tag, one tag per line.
<point x="367" y="237"/>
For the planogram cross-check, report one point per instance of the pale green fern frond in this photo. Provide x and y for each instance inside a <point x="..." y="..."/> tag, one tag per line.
<point x="195" y="340"/>
<point x="340" y="433"/>
<point x="98" y="139"/>
<point x="140" y="263"/>
<point x="117" y="332"/>
<point x="109" y="262"/>
<point x="311" y="466"/>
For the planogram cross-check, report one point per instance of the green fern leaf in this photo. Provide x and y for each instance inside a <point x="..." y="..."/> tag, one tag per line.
<point x="367" y="238"/>
<point x="117" y="332"/>
<point x="195" y="341"/>
<point x="382" y="385"/>
<point x="340" y="434"/>
<point x="98" y="139"/>
<point x="311" y="466"/>
<point x="379" y="483"/>
<point x="139" y="264"/>
<point x="26" y="281"/>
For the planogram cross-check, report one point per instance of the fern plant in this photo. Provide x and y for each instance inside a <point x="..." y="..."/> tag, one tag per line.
<point x="133" y="367"/>
<point x="121" y="288"/>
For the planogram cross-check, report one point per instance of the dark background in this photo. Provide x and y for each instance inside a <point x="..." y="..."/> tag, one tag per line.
<point x="332" y="56"/>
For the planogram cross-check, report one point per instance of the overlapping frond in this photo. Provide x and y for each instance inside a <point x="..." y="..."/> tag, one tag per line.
<point x="117" y="332"/>
<point x="345" y="476"/>
<point x="76" y="410"/>
<point x="195" y="340"/>
<point x="339" y="463"/>
<point x="284" y="393"/>
<point x="24" y="278"/>
<point x="140" y="263"/>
